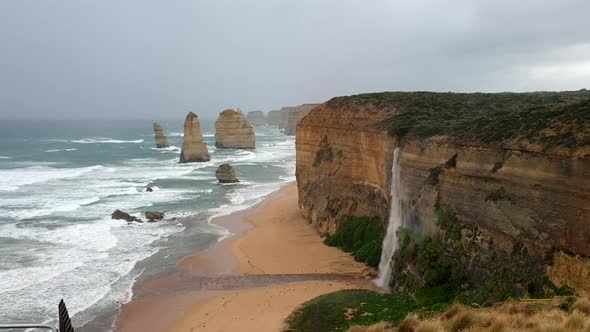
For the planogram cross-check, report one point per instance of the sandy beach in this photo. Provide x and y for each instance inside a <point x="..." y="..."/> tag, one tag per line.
<point x="250" y="281"/>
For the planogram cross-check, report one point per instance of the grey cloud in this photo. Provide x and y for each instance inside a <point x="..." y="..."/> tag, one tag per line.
<point x="146" y="58"/>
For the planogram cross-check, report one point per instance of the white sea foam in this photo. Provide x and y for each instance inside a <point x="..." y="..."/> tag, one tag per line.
<point x="171" y="148"/>
<point x="12" y="179"/>
<point x="5" y="157"/>
<point x="61" y="150"/>
<point x="66" y="213"/>
<point x="104" y="141"/>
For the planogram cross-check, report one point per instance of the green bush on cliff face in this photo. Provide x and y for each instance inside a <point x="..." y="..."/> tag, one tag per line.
<point x="463" y="265"/>
<point x="362" y="236"/>
<point x="549" y="118"/>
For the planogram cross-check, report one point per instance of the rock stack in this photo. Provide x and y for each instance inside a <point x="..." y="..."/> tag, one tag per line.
<point x="194" y="148"/>
<point x="161" y="139"/>
<point x="232" y="131"/>
<point x="226" y="174"/>
<point x="274" y="118"/>
<point x="256" y="118"/>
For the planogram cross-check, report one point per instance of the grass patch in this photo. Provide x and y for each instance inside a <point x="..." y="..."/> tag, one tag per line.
<point x="340" y="310"/>
<point x="509" y="316"/>
<point x="361" y="236"/>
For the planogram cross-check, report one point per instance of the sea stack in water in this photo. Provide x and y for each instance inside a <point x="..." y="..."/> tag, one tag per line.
<point x="161" y="139"/>
<point x="232" y="130"/>
<point x="194" y="148"/>
<point x="226" y="174"/>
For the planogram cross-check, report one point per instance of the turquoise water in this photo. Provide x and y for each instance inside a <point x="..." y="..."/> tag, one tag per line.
<point x="59" y="183"/>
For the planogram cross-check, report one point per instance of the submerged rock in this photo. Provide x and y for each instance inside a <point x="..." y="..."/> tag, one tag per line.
<point x="226" y="174"/>
<point x="232" y="130"/>
<point x="120" y="215"/>
<point x="161" y="139"/>
<point x="194" y="148"/>
<point x="152" y="216"/>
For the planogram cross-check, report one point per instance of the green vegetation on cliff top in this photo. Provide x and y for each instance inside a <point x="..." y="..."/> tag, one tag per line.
<point x="548" y="118"/>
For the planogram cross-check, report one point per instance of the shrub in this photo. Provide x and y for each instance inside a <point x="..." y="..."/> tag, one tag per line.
<point x="362" y="236"/>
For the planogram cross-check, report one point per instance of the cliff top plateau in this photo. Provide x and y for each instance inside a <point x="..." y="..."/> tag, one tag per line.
<point x="542" y="119"/>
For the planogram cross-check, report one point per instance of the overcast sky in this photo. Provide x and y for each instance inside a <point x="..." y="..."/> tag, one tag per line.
<point x="147" y="58"/>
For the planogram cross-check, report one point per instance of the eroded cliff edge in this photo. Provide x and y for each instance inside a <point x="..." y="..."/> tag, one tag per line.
<point x="515" y="165"/>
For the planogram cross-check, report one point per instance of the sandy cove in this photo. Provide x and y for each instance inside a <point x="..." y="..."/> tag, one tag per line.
<point x="251" y="281"/>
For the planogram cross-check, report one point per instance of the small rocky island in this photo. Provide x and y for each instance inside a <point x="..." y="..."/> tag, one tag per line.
<point x="232" y="131"/>
<point x="226" y="174"/>
<point x="161" y="139"/>
<point x="194" y="148"/>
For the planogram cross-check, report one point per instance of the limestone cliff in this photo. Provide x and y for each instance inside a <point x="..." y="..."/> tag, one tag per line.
<point x="194" y="148"/>
<point x="284" y="122"/>
<point x="256" y="118"/>
<point x="233" y="131"/>
<point x="161" y="139"/>
<point x="515" y="165"/>
<point x="274" y="118"/>
<point x="295" y="115"/>
<point x="341" y="162"/>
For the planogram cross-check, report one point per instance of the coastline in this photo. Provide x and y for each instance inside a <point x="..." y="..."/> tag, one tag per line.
<point x="251" y="280"/>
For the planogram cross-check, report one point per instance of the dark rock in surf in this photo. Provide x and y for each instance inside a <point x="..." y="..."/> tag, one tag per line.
<point x="152" y="216"/>
<point x="120" y="215"/>
<point x="226" y="174"/>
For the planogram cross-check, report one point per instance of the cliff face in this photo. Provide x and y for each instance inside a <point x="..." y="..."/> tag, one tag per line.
<point x="518" y="196"/>
<point x="256" y="118"/>
<point x="341" y="163"/>
<point x="274" y="118"/>
<point x="295" y="115"/>
<point x="284" y="122"/>
<point x="233" y="131"/>
<point x="521" y="192"/>
<point x="194" y="148"/>
<point x="161" y="139"/>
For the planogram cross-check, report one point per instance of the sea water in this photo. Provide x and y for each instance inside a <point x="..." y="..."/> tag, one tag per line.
<point x="59" y="183"/>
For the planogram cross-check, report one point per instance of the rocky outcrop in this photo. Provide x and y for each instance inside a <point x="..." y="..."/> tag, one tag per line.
<point x="274" y="118"/>
<point x="152" y="216"/>
<point x="161" y="139"/>
<point x="120" y="215"/>
<point x="226" y="174"/>
<point x="194" y="148"/>
<point x="519" y="192"/>
<point x="233" y="131"/>
<point x="256" y="118"/>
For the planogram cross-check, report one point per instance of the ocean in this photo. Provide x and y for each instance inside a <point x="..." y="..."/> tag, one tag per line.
<point x="61" y="180"/>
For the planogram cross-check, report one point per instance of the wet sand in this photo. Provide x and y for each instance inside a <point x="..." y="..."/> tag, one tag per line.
<point x="250" y="281"/>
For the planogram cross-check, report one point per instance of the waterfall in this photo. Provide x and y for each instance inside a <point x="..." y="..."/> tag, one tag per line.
<point x="395" y="222"/>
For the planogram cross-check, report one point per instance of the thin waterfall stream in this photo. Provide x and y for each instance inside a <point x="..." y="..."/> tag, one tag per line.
<point x="395" y="222"/>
